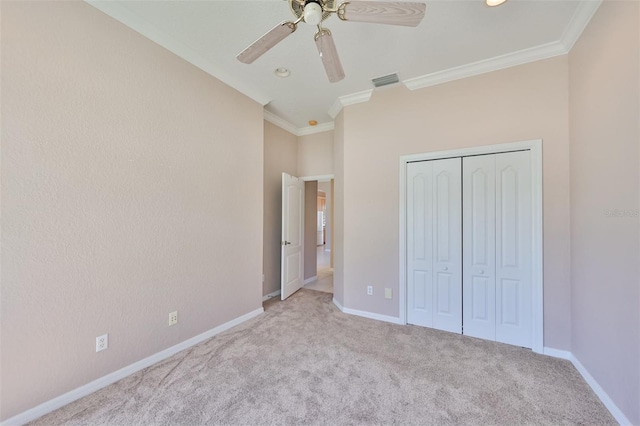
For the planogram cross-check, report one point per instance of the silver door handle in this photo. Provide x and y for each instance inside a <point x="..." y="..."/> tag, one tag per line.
<point x="445" y="269"/>
<point x="481" y="271"/>
<point x="285" y="243"/>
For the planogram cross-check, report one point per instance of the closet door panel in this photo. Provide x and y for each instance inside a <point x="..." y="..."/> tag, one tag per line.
<point x="513" y="248"/>
<point x="447" y="245"/>
<point x="420" y="243"/>
<point x="479" y="294"/>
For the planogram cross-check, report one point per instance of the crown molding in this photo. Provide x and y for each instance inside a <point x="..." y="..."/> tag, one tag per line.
<point x="579" y="21"/>
<point x="302" y="131"/>
<point x="136" y="23"/>
<point x="310" y="130"/>
<point x="335" y="108"/>
<point x="354" y="98"/>
<point x="493" y="64"/>
<point x="280" y="122"/>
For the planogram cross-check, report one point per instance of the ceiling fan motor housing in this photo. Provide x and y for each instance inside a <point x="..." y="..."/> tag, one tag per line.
<point x="312" y="13"/>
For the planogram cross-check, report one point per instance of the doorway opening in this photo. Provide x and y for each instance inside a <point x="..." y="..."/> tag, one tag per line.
<point x="318" y="235"/>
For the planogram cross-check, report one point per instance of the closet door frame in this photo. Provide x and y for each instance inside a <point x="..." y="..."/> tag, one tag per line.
<point x="535" y="148"/>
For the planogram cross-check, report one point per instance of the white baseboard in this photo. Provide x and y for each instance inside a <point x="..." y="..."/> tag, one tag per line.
<point x="89" y="388"/>
<point x="371" y="315"/>
<point x="597" y="389"/>
<point x="335" y="302"/>
<point x="365" y="314"/>
<point x="557" y="353"/>
<point x="606" y="400"/>
<point x="310" y="280"/>
<point x="271" y="295"/>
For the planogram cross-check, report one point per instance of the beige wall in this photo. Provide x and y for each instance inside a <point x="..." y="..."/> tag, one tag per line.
<point x="315" y="154"/>
<point x="326" y="187"/>
<point x="605" y="251"/>
<point x="310" y="228"/>
<point x="521" y="103"/>
<point x="338" y="209"/>
<point x="280" y="156"/>
<point x="131" y="187"/>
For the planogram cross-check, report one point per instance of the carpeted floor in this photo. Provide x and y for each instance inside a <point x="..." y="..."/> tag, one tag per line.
<point x="305" y="362"/>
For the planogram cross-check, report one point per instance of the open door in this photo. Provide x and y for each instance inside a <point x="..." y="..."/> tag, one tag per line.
<point x="291" y="246"/>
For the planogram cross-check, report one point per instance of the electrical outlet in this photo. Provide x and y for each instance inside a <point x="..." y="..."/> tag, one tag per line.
<point x="387" y="293"/>
<point x="173" y="318"/>
<point x="370" y="290"/>
<point x="102" y="342"/>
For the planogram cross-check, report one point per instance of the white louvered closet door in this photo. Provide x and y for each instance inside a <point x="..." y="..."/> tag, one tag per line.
<point x="497" y="223"/>
<point x="434" y="250"/>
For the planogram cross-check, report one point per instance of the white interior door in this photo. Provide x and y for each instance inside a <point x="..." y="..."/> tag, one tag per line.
<point x="434" y="244"/>
<point x="497" y="223"/>
<point x="291" y="263"/>
<point x="513" y="249"/>
<point x="479" y="242"/>
<point x="419" y="243"/>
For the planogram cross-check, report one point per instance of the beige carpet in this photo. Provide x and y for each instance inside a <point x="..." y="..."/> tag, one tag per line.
<point x="304" y="362"/>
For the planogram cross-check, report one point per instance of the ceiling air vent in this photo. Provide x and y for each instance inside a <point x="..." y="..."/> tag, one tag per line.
<point x="385" y="80"/>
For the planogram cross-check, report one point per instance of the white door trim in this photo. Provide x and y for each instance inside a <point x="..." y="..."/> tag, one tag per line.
<point x="535" y="146"/>
<point x="319" y="178"/>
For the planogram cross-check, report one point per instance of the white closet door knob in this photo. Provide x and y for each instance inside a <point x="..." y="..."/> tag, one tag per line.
<point x="481" y="271"/>
<point x="445" y="268"/>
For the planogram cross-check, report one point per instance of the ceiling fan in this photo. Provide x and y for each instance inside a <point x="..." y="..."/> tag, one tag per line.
<point x="313" y="12"/>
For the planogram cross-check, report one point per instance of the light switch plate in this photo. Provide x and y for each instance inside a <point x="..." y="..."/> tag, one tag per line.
<point x="387" y="293"/>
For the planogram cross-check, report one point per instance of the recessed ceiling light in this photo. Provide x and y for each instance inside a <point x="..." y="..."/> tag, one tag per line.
<point x="492" y="3"/>
<point x="282" y="72"/>
<point x="313" y="122"/>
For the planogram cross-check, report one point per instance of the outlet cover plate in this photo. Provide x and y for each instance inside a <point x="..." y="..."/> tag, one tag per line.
<point x="173" y="318"/>
<point x="102" y="342"/>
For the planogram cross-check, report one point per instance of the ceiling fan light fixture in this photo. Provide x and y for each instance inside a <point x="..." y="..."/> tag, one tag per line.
<point x="312" y="13"/>
<point x="494" y="3"/>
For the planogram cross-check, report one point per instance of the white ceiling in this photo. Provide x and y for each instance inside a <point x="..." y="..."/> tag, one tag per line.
<point x="457" y="38"/>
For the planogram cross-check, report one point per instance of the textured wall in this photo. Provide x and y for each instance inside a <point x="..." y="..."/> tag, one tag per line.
<point x="338" y="209"/>
<point x="315" y="154"/>
<point x="605" y="249"/>
<point x="280" y="155"/>
<point x="131" y="187"/>
<point x="520" y="103"/>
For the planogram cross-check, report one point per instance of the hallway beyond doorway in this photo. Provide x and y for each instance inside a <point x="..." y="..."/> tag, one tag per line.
<point x="325" y="272"/>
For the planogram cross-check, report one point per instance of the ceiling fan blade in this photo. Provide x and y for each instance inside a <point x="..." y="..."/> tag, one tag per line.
<point x="329" y="55"/>
<point x="266" y="42"/>
<point x="382" y="12"/>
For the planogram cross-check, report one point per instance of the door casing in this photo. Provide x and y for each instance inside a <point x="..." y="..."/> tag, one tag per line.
<point x="537" y="279"/>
